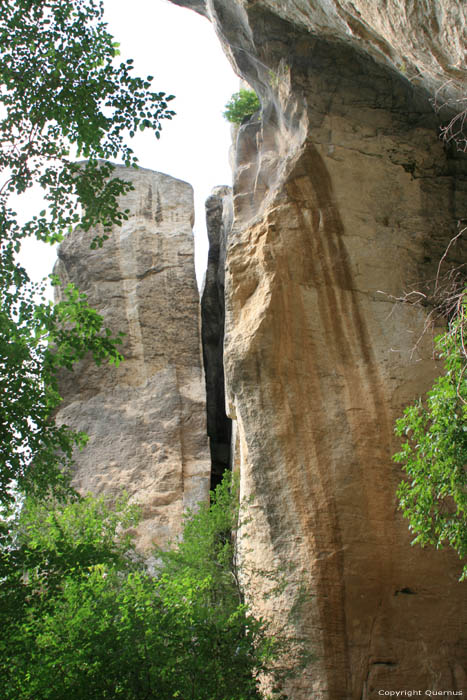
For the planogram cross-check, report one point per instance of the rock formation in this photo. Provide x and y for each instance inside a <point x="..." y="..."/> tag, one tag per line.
<point x="146" y="419"/>
<point x="344" y="199"/>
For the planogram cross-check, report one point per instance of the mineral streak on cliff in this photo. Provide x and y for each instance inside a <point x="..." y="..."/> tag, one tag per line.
<point x="341" y="191"/>
<point x="147" y="418"/>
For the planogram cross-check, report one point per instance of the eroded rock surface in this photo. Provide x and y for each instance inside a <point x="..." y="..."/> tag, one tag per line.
<point x="344" y="199"/>
<point x="146" y="419"/>
<point x="423" y="39"/>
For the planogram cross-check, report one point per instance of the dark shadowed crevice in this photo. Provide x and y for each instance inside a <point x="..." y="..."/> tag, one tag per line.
<point x="219" y="426"/>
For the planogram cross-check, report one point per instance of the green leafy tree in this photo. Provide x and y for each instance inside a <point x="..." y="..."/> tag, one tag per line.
<point x="36" y="339"/>
<point x="81" y="616"/>
<point x="47" y="551"/>
<point x="63" y="95"/>
<point x="434" y="449"/>
<point x="241" y="105"/>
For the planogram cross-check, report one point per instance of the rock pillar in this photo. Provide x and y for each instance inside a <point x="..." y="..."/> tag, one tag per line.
<point x="146" y="419"/>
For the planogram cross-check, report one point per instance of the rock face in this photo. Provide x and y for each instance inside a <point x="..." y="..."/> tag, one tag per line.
<point x="147" y="418"/>
<point x="344" y="199"/>
<point x="423" y="39"/>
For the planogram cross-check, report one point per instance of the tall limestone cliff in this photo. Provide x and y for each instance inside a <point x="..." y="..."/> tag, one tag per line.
<point x="146" y="419"/>
<point x="344" y="200"/>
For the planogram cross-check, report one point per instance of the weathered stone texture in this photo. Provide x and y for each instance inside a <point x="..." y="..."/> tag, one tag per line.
<point x="344" y="198"/>
<point x="146" y="419"/>
<point x="424" y="39"/>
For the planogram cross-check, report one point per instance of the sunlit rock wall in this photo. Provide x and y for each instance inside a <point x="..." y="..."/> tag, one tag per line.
<point x="146" y="419"/>
<point x="344" y="199"/>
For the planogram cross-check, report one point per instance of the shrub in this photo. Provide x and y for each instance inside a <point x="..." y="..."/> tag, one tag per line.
<point x="81" y="617"/>
<point x="434" y="450"/>
<point x="242" y="104"/>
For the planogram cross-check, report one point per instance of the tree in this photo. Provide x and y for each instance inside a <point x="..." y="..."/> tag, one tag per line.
<point x="434" y="449"/>
<point x="241" y="105"/>
<point x="63" y="96"/>
<point x="35" y="340"/>
<point x="434" y="431"/>
<point x="82" y="617"/>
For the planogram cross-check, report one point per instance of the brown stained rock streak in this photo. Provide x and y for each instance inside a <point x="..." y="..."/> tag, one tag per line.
<point x="346" y="341"/>
<point x="315" y="505"/>
<point x="309" y="352"/>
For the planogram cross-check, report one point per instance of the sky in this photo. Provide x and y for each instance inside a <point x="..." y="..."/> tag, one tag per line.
<point x="180" y="49"/>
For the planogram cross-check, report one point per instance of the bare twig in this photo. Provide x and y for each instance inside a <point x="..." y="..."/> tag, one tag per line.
<point x="445" y="299"/>
<point x="443" y="257"/>
<point x="456" y="128"/>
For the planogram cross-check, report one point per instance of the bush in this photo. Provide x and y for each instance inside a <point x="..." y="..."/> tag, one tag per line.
<point x="434" y="450"/>
<point x="81" y="617"/>
<point x="241" y="105"/>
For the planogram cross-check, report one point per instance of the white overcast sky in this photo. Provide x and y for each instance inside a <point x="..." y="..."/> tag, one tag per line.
<point x="180" y="49"/>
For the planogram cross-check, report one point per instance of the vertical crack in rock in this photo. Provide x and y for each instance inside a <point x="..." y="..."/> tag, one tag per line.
<point x="146" y="419"/>
<point x="128" y="269"/>
<point x="219" y="222"/>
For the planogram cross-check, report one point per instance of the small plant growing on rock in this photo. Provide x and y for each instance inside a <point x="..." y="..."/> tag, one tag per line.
<point x="241" y="105"/>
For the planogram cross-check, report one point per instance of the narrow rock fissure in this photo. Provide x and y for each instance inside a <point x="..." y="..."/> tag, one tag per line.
<point x="219" y="425"/>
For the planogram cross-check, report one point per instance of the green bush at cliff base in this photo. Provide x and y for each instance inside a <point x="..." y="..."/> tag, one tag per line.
<point x="81" y="617"/>
<point x="434" y="450"/>
<point x="242" y="104"/>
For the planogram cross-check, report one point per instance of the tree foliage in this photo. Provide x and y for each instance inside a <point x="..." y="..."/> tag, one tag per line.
<point x="81" y="617"/>
<point x="63" y="95"/>
<point x="434" y="449"/>
<point x="241" y="105"/>
<point x="62" y="89"/>
<point x="36" y="339"/>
